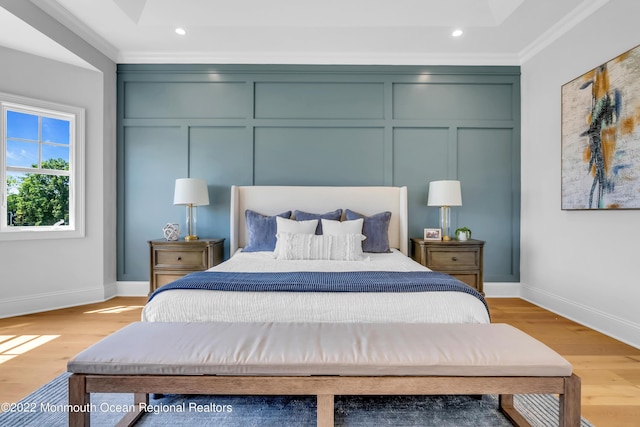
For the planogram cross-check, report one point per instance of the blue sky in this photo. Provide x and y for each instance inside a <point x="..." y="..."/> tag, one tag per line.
<point x="22" y="139"/>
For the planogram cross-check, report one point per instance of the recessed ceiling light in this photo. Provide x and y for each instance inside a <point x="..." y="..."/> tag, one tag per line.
<point x="457" y="33"/>
<point x="181" y="31"/>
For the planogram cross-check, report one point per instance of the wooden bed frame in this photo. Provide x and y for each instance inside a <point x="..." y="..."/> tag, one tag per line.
<point x="272" y="200"/>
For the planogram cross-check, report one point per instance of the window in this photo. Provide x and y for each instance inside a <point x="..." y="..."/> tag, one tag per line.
<point x="41" y="175"/>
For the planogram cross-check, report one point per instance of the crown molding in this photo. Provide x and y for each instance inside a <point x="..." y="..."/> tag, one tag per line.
<point x="577" y="15"/>
<point x="66" y="18"/>
<point x="313" y="58"/>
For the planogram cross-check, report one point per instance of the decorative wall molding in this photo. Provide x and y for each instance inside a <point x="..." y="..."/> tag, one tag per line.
<point x="318" y="125"/>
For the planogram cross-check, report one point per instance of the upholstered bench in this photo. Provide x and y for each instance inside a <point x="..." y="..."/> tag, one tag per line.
<point x="322" y="359"/>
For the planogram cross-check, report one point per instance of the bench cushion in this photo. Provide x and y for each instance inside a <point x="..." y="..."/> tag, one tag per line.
<point x="300" y="349"/>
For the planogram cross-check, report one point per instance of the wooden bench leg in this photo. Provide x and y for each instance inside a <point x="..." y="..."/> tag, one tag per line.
<point x="141" y="401"/>
<point x="508" y="409"/>
<point x="79" y="402"/>
<point x="570" y="402"/>
<point x="569" y="414"/>
<point x="325" y="410"/>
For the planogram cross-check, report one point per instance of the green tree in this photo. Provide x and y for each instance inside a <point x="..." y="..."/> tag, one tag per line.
<point x="40" y="199"/>
<point x="12" y="190"/>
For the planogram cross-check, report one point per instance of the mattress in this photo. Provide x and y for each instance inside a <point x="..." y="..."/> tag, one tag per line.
<point x="381" y="307"/>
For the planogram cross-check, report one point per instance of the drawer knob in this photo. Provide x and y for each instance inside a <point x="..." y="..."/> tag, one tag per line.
<point x="454" y="258"/>
<point x="179" y="258"/>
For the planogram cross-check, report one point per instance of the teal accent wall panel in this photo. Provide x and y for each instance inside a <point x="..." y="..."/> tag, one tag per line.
<point x="487" y="196"/>
<point x="318" y="125"/>
<point x="223" y="156"/>
<point x="185" y="100"/>
<point x="420" y="155"/>
<point x="319" y="156"/>
<point x="319" y="100"/>
<point x="150" y="170"/>
<point x="454" y="101"/>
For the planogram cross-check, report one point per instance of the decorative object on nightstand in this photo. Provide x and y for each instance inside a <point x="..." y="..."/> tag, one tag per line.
<point x="432" y="234"/>
<point x="445" y="194"/>
<point x="191" y="192"/>
<point x="170" y="260"/>
<point x="463" y="233"/>
<point x="171" y="231"/>
<point x="461" y="259"/>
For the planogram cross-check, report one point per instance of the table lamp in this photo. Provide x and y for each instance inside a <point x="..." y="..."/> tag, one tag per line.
<point x="191" y="192"/>
<point x="445" y="194"/>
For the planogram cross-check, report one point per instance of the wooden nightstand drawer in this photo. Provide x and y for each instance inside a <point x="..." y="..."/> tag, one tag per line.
<point x="452" y="259"/>
<point x="187" y="259"/>
<point x="170" y="261"/>
<point x="471" y="279"/>
<point x="462" y="260"/>
<point x="163" y="278"/>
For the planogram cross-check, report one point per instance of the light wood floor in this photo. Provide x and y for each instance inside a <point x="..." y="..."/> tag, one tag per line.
<point x="610" y="370"/>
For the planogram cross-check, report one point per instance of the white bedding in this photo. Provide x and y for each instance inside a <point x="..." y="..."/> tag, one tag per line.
<point x="223" y="306"/>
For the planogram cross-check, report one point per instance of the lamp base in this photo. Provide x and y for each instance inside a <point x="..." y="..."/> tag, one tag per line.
<point x="190" y="238"/>
<point x="445" y="221"/>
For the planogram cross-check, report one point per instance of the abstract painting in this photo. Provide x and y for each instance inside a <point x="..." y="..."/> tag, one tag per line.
<point x="601" y="136"/>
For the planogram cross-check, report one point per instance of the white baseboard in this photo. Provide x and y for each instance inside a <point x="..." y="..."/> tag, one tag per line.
<point x="133" y="289"/>
<point x="502" y="290"/>
<point x="11" y="307"/>
<point x="606" y="323"/>
<point x="110" y="290"/>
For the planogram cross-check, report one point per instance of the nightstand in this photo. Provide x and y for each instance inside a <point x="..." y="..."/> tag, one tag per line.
<point x="170" y="260"/>
<point x="461" y="259"/>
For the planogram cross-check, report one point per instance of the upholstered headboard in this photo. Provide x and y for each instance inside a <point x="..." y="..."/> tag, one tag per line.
<point x="272" y="200"/>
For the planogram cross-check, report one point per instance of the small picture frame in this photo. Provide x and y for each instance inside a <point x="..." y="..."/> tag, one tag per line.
<point x="432" y="234"/>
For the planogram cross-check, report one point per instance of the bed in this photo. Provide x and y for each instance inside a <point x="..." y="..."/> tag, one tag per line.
<point x="302" y="304"/>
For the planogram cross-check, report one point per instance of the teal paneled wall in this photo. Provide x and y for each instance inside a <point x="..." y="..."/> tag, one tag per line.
<point x="307" y="156"/>
<point x="318" y="125"/>
<point x="489" y="189"/>
<point x="459" y="101"/>
<point x="420" y="155"/>
<point x="291" y="100"/>
<point x="185" y="100"/>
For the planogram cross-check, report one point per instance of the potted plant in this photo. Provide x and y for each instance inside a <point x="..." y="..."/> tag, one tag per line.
<point x="463" y="233"/>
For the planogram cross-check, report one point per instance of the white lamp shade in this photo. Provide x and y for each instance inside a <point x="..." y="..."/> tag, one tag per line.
<point x="444" y="193"/>
<point x="191" y="191"/>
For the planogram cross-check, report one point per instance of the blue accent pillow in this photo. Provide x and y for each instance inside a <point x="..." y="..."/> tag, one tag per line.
<point x="306" y="216"/>
<point x="376" y="228"/>
<point x="261" y="231"/>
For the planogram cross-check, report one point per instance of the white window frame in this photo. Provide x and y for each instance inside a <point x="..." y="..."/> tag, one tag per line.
<point x="76" y="116"/>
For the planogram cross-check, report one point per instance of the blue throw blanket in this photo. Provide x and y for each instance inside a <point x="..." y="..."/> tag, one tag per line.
<point x="312" y="281"/>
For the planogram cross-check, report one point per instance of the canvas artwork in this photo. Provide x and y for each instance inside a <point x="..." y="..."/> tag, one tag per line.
<point x="601" y="136"/>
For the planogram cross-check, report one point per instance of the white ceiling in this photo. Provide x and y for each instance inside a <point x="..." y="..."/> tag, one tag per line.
<point x="411" y="32"/>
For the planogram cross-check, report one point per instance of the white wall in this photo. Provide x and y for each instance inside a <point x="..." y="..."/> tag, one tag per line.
<point x="43" y="274"/>
<point x="580" y="264"/>
<point x="39" y="275"/>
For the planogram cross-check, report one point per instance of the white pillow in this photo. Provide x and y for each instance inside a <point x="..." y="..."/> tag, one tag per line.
<point x="342" y="247"/>
<point x="342" y="227"/>
<point x="291" y="226"/>
<point x="285" y="225"/>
